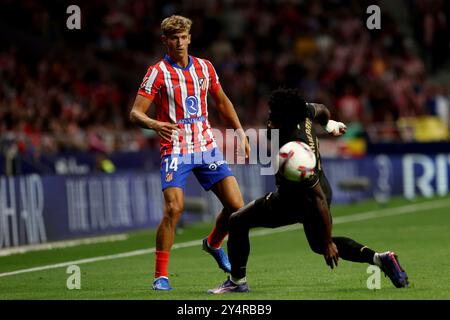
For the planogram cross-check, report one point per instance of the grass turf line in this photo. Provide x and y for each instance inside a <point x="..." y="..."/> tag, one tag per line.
<point x="418" y="238"/>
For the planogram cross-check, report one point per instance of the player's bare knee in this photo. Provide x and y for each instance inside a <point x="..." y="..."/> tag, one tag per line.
<point x="173" y="210"/>
<point x="235" y="206"/>
<point x="174" y="204"/>
<point x="239" y="204"/>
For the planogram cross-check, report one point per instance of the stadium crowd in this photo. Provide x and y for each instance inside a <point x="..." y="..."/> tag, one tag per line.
<point x="63" y="90"/>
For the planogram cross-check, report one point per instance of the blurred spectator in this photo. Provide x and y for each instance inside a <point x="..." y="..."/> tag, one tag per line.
<point x="348" y="105"/>
<point x="438" y="103"/>
<point x="432" y="29"/>
<point x="64" y="90"/>
<point x="104" y="164"/>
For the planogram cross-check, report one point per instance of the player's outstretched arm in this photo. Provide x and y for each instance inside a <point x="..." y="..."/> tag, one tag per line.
<point x="330" y="253"/>
<point x="322" y="115"/>
<point x="138" y="116"/>
<point x="228" y="113"/>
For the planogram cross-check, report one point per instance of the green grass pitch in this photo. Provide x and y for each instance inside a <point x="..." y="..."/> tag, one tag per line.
<point x="281" y="265"/>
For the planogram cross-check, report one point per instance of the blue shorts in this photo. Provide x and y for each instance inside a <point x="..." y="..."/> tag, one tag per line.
<point x="209" y="167"/>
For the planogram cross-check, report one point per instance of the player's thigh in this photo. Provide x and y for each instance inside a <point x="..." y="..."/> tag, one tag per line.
<point x="267" y="212"/>
<point x="217" y="176"/>
<point x="229" y="194"/>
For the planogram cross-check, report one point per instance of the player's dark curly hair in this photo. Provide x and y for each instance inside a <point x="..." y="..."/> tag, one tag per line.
<point x="287" y="107"/>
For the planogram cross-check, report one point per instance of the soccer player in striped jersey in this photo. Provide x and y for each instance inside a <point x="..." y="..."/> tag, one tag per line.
<point x="178" y="86"/>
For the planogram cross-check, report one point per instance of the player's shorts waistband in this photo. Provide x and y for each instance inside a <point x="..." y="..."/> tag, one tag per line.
<point x="191" y="120"/>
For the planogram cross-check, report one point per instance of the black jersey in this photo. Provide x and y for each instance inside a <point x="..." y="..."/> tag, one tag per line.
<point x="304" y="131"/>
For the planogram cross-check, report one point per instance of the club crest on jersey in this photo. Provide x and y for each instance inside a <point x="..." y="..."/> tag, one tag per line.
<point x="191" y="103"/>
<point x="202" y="83"/>
<point x="169" y="176"/>
<point x="144" y="82"/>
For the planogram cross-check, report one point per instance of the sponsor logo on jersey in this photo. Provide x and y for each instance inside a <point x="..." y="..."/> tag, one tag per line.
<point x="192" y="120"/>
<point x="191" y="103"/>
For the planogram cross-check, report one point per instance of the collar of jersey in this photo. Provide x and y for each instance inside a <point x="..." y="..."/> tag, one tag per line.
<point x="175" y="65"/>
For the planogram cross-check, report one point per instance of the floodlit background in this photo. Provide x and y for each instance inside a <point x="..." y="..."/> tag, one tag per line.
<point x="72" y="165"/>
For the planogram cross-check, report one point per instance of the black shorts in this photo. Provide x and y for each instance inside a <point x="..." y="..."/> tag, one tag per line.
<point x="281" y="208"/>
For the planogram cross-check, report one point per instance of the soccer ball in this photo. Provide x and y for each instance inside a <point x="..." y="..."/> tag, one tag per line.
<point x="296" y="161"/>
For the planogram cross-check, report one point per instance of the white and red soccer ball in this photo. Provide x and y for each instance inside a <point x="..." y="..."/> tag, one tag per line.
<point x="296" y="161"/>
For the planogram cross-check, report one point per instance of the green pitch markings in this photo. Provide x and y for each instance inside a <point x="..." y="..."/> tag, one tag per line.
<point x="281" y="265"/>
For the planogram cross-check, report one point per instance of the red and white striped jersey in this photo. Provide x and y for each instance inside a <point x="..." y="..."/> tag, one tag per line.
<point x="180" y="96"/>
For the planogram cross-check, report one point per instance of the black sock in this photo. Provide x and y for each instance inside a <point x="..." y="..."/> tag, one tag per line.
<point x="238" y="247"/>
<point x="353" y="251"/>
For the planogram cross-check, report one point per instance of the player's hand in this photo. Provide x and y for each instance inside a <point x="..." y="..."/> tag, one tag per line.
<point x="246" y="148"/>
<point x="166" y="130"/>
<point x="331" y="255"/>
<point x="335" y="128"/>
<point x="244" y="145"/>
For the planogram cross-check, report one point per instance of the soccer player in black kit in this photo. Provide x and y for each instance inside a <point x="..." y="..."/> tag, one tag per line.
<point x="307" y="202"/>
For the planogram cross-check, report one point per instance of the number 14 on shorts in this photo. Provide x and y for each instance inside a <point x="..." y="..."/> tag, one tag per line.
<point x="173" y="164"/>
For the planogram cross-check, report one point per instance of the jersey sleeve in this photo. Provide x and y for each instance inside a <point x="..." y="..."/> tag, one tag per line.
<point x="214" y="78"/>
<point x="151" y="83"/>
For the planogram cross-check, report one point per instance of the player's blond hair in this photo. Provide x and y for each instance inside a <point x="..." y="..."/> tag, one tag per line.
<point x="175" y="24"/>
